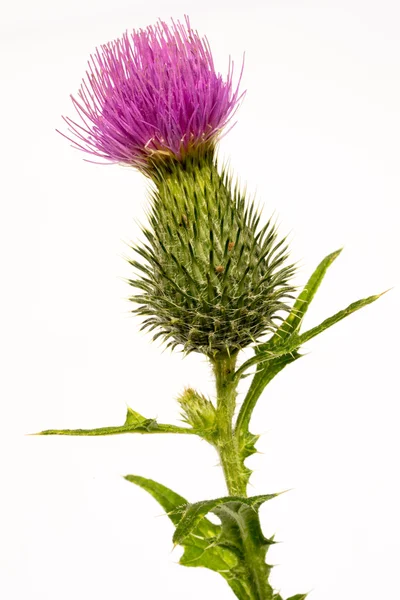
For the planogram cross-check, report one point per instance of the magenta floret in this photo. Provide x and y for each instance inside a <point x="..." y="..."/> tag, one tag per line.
<point x="152" y="91"/>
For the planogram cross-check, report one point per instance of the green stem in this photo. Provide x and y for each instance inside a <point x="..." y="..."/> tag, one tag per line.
<point x="226" y="442"/>
<point x="257" y="386"/>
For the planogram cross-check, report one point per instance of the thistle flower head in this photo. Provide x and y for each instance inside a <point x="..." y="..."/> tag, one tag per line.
<point x="152" y="92"/>
<point x="209" y="279"/>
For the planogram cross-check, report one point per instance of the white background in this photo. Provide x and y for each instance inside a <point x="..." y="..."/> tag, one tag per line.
<point x="317" y="139"/>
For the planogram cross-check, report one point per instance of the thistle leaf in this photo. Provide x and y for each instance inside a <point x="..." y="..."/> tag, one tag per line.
<point x="194" y="513"/>
<point x="342" y="314"/>
<point x="283" y="348"/>
<point x="134" y="423"/>
<point x="293" y="321"/>
<point x="200" y="549"/>
<point x="242" y="534"/>
<point x="293" y="343"/>
<point x="172" y="503"/>
<point x="236" y="549"/>
<point x="276" y="346"/>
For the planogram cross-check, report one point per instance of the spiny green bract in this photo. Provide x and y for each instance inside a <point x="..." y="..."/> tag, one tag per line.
<point x="211" y="279"/>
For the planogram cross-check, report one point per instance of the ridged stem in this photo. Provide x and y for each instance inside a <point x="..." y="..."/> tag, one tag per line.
<point x="226" y="442"/>
<point x="236" y="476"/>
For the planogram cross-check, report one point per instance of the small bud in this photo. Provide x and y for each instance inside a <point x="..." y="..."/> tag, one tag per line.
<point x="199" y="412"/>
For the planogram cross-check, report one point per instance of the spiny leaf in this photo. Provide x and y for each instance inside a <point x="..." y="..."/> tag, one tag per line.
<point x="267" y="356"/>
<point x="269" y="351"/>
<point x="242" y="534"/>
<point x="200" y="549"/>
<point x="342" y="314"/>
<point x="194" y="513"/>
<point x="271" y="362"/>
<point x="169" y="500"/>
<point x="294" y="319"/>
<point x="283" y="347"/>
<point x="293" y="343"/>
<point x="134" y="423"/>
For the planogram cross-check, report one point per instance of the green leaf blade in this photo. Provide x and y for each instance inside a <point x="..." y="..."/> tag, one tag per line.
<point x="342" y="314"/>
<point x="301" y="305"/>
<point x="198" y="551"/>
<point x="283" y="348"/>
<point x="235" y="549"/>
<point x="134" y="423"/>
<point x="169" y="500"/>
<point x="196" y="512"/>
<point x="200" y="548"/>
<point x="276" y="347"/>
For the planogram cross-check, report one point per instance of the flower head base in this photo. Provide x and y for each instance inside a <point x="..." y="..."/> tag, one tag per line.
<point x="152" y="92"/>
<point x="208" y="278"/>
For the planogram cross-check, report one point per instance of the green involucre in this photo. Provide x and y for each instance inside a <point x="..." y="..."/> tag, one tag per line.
<point x="211" y="279"/>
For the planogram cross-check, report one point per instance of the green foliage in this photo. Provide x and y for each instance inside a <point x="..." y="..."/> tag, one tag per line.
<point x="342" y="314"/>
<point x="281" y="350"/>
<point x="200" y="549"/>
<point x="134" y="423"/>
<point x="283" y="347"/>
<point x="194" y="513"/>
<point x="211" y="279"/>
<point x="295" y="318"/>
<point x="236" y="549"/>
<point x="192" y="306"/>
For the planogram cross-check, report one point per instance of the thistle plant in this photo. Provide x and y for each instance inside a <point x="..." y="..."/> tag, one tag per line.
<point x="211" y="276"/>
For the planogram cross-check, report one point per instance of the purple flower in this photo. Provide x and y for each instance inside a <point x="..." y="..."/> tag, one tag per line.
<point x="152" y="91"/>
